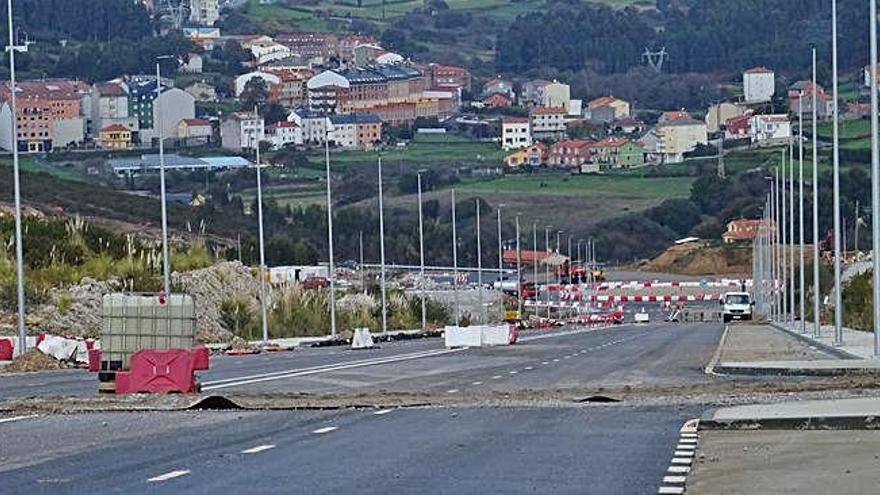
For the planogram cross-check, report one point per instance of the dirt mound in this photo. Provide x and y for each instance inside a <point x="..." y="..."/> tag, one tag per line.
<point x="699" y="259"/>
<point x="32" y="360"/>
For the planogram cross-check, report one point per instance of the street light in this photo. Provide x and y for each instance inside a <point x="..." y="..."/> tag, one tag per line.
<point x="332" y="266"/>
<point x="455" y="264"/>
<point x="803" y="311"/>
<point x="875" y="178"/>
<point x="166" y="255"/>
<point x="519" y="280"/>
<point x="500" y="248"/>
<point x="535" y="263"/>
<point x="382" y="252"/>
<point x="817" y="323"/>
<point x="11" y="48"/>
<point x="791" y="229"/>
<point x="422" y="254"/>
<point x="547" y="268"/>
<point x="838" y="302"/>
<point x="479" y="267"/>
<point x="263" y="311"/>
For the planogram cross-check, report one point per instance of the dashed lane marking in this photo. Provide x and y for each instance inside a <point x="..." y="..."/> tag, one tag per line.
<point x="683" y="453"/>
<point x="670" y="490"/>
<point x="682" y="446"/>
<point x="682" y="460"/>
<point x="452" y="391"/>
<point x="496" y="377"/>
<point x="18" y="418"/>
<point x="169" y="476"/>
<point x="674" y="479"/>
<point x="258" y="449"/>
<point x="528" y="368"/>
<point x="513" y="372"/>
<point x="679" y="469"/>
<point x="382" y="412"/>
<point x="326" y="429"/>
<point x="477" y="383"/>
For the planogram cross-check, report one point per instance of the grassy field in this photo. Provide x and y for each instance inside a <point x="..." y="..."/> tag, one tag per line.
<point x="849" y="129"/>
<point x="293" y="195"/>
<point x="420" y="153"/>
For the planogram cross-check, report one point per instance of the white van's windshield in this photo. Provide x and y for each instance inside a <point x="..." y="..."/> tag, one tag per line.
<point x="736" y="299"/>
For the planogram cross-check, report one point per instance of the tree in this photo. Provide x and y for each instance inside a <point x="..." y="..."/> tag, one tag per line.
<point x="254" y="94"/>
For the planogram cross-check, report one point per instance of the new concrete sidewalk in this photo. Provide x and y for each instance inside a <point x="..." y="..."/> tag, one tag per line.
<point x="775" y="350"/>
<point x="856" y="344"/>
<point x="863" y="412"/>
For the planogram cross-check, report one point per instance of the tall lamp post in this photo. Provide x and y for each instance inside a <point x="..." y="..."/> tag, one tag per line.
<point x="817" y="322"/>
<point x="479" y="268"/>
<point x="382" y="252"/>
<point x="330" y="260"/>
<point x="166" y="255"/>
<point x="455" y="264"/>
<point x="875" y="178"/>
<point x="11" y="48"/>
<point x="422" y="254"/>
<point x="263" y="293"/>
<point x="519" y="281"/>
<point x="838" y="302"/>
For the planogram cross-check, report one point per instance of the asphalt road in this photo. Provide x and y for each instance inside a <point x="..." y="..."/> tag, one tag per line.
<point x="656" y="354"/>
<point x="586" y="449"/>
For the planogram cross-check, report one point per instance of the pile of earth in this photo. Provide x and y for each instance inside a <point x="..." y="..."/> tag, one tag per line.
<point x="695" y="258"/>
<point x="32" y="360"/>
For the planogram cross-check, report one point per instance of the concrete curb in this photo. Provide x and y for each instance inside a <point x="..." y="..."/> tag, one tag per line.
<point x="733" y="369"/>
<point x="828" y="349"/>
<point x="866" y="422"/>
<point x="710" y="368"/>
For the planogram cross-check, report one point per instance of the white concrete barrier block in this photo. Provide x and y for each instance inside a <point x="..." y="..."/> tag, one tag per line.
<point x="362" y="339"/>
<point x="492" y="335"/>
<point x="462" y="336"/>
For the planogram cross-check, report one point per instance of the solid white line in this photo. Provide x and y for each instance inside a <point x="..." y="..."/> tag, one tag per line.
<point x="682" y="460"/>
<point x="674" y="479"/>
<point x="670" y="490"/>
<point x="18" y="418"/>
<point x="258" y="448"/>
<point x="169" y="476"/>
<point x="383" y="411"/>
<point x="679" y="469"/>
<point x="326" y="429"/>
<point x="325" y="369"/>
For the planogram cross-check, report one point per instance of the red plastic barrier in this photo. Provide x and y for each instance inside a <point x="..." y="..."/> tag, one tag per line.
<point x="94" y="360"/>
<point x="512" y="334"/>
<point x="200" y="357"/>
<point x="40" y="337"/>
<point x="159" y="372"/>
<point x="6" y="348"/>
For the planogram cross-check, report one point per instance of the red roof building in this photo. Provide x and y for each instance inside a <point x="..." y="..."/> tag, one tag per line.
<point x="741" y="230"/>
<point x="569" y="153"/>
<point x="496" y="100"/>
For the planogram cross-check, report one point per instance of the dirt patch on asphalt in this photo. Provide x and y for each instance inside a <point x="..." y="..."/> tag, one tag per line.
<point x="765" y="343"/>
<point x="722" y="393"/>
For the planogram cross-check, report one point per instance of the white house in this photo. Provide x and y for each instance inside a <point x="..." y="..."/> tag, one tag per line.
<point x="241" y="130"/>
<point x="515" y="133"/>
<point x="313" y="125"/>
<point x="548" y="122"/>
<point x="108" y="106"/>
<point x="267" y="51"/>
<point x="281" y="134"/>
<point x="759" y="85"/>
<point x="555" y="94"/>
<point x="769" y="128"/>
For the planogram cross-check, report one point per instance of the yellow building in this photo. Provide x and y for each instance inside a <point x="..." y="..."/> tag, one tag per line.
<point x="115" y="137"/>
<point x="534" y="156"/>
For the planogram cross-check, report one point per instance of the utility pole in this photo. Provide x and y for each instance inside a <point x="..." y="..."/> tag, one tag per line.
<point x="264" y="324"/>
<point x="382" y="253"/>
<point x="11" y="48"/>
<point x="422" y="256"/>
<point x="875" y="179"/>
<point x="332" y="266"/>
<point x="817" y="323"/>
<point x="838" y="300"/>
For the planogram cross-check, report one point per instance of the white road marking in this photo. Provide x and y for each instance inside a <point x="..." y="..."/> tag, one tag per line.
<point x="477" y="383"/>
<point x="679" y="469"/>
<point x="169" y="476"/>
<point x="674" y="479"/>
<point x="683" y="453"/>
<point x="381" y="412"/>
<point x="496" y="377"/>
<point x="513" y="372"/>
<point x="528" y="368"/>
<point x="291" y="373"/>
<point x="682" y="446"/>
<point x="566" y="357"/>
<point x="326" y="429"/>
<point x="682" y="460"/>
<point x="18" y="418"/>
<point x="452" y="391"/>
<point x="670" y="490"/>
<point x="545" y="362"/>
<point x="688" y="440"/>
<point x="689" y="435"/>
<point x="556" y="360"/>
<point x="257" y="449"/>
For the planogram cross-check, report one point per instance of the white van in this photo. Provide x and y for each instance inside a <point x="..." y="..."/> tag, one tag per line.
<point x="736" y="306"/>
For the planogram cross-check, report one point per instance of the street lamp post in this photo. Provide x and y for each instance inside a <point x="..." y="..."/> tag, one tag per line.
<point x="455" y="264"/>
<point x="264" y="324"/>
<point x="479" y="268"/>
<point x="838" y="302"/>
<point x="875" y="179"/>
<point x="332" y="266"/>
<point x="547" y="269"/>
<point x="803" y="311"/>
<point x="500" y="247"/>
<point x="535" y="263"/>
<point x="422" y="255"/>
<point x="166" y="255"/>
<point x="519" y="282"/>
<point x="382" y="252"/>
<point x="817" y="321"/>
<point x="11" y="48"/>
<point x="791" y="222"/>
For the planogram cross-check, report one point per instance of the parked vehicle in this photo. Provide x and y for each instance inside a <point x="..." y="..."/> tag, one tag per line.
<point x="736" y="306"/>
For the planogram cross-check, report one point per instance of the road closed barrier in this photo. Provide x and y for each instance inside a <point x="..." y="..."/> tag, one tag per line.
<point x="492" y="335"/>
<point x="362" y="339"/>
<point x="480" y="335"/>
